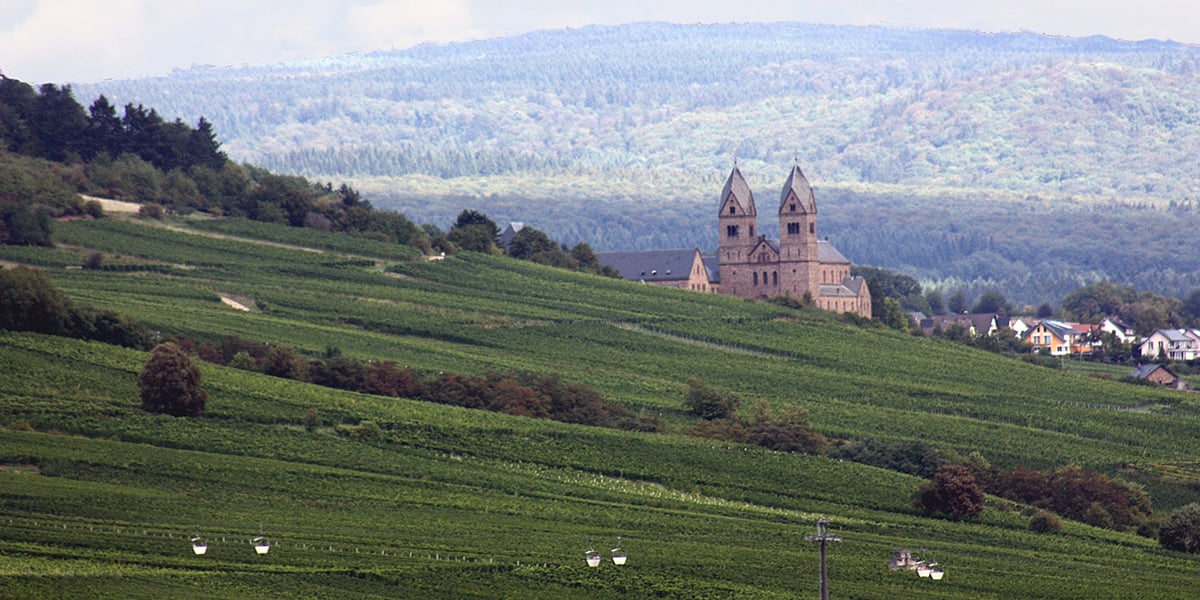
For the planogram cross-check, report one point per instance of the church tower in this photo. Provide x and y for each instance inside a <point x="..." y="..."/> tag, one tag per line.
<point x="735" y="225"/>
<point x="798" y="253"/>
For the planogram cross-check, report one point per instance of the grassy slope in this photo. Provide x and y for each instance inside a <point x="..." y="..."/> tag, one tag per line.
<point x="104" y="511"/>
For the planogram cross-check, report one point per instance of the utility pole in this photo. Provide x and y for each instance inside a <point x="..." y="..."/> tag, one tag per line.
<point x="822" y="537"/>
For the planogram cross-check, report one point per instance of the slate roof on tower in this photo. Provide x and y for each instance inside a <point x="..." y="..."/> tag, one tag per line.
<point x="736" y="184"/>
<point x="797" y="183"/>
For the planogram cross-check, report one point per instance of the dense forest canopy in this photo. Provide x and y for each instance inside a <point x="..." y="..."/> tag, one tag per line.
<point x="620" y="136"/>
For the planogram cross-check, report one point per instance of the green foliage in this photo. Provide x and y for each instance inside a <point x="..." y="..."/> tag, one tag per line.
<point x="991" y="301"/>
<point x="709" y="403"/>
<point x="953" y="494"/>
<point x="1146" y="311"/>
<point x="1181" y="531"/>
<point x="1045" y="522"/>
<point x="170" y="383"/>
<point x="914" y="458"/>
<point x="284" y="361"/>
<point x="29" y="302"/>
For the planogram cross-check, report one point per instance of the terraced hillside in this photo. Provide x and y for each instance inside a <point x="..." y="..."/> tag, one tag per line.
<point x="98" y="499"/>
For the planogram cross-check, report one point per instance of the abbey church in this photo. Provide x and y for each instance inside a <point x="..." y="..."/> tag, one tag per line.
<point x="799" y="264"/>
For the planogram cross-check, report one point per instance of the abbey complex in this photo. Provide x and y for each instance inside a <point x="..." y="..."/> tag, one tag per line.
<point x="798" y="264"/>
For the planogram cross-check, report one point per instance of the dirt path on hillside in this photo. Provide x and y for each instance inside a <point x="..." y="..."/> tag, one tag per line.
<point x="115" y="206"/>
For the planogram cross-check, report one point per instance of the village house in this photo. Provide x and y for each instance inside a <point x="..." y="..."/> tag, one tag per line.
<point x="975" y="324"/>
<point x="1021" y="325"/>
<point x="1124" y="333"/>
<point x="1171" y="344"/>
<point x="1057" y="338"/>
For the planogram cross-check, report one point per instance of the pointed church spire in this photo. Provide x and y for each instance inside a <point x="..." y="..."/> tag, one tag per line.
<point x="736" y="186"/>
<point x="797" y="190"/>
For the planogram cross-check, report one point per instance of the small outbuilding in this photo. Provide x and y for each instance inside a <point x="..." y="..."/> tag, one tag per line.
<point x="1158" y="374"/>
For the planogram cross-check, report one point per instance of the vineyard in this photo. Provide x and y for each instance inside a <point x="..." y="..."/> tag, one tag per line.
<point x="99" y="499"/>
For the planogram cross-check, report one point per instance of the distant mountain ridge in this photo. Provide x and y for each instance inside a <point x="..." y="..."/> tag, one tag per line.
<point x="620" y="135"/>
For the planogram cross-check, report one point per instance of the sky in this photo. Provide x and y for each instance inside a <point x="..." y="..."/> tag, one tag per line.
<point x="65" y="41"/>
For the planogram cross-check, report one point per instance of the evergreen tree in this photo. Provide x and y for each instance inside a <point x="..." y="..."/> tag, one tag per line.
<point x="203" y="148"/>
<point x="58" y="124"/>
<point x="104" y="131"/>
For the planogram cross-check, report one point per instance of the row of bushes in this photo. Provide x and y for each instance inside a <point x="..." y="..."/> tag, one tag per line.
<point x="522" y="394"/>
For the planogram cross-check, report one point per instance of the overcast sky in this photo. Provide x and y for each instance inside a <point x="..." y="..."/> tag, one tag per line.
<point x="61" y="41"/>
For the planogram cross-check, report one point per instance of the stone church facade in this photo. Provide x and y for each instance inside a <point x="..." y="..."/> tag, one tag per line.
<point x="798" y="264"/>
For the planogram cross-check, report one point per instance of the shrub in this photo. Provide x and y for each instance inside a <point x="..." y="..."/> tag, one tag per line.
<point x="953" y="494"/>
<point x="1045" y="522"/>
<point x="709" y="404"/>
<point x="151" y="211"/>
<point x="283" y="361"/>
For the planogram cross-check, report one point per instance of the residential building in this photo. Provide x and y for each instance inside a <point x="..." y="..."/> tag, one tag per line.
<point x="1124" y="333"/>
<point x="975" y="323"/>
<point x="1051" y="337"/>
<point x="1171" y="344"/>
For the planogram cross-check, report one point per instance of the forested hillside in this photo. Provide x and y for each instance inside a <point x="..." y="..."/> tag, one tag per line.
<point x="1018" y="161"/>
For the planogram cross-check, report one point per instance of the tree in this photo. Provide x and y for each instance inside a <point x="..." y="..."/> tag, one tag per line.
<point x="170" y="383"/>
<point x="104" y="132"/>
<point x="937" y="304"/>
<point x="1045" y="311"/>
<point x="284" y="361"/>
<point x="203" y="148"/>
<point x="709" y="404"/>
<point x="26" y="225"/>
<point x="474" y="231"/>
<point x="1091" y="303"/>
<point x="894" y="316"/>
<point x="957" y="303"/>
<point x="953" y="493"/>
<point x="58" y="123"/>
<point x="475" y="238"/>
<point x="991" y="302"/>
<point x="29" y="302"/>
<point x="470" y="217"/>
<point x="529" y="242"/>
<point x="1181" y="532"/>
